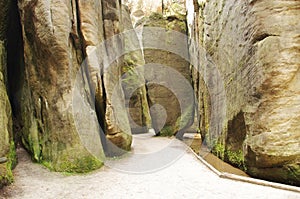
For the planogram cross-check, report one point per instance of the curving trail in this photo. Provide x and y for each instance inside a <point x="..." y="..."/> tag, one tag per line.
<point x="185" y="177"/>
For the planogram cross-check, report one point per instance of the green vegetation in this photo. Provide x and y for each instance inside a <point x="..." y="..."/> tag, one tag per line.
<point x="167" y="131"/>
<point x="236" y="158"/>
<point x="177" y="25"/>
<point x="7" y="176"/>
<point x="31" y="142"/>
<point x="12" y="155"/>
<point x="156" y="16"/>
<point x="187" y="115"/>
<point x="218" y="149"/>
<point x="132" y="80"/>
<point x="154" y="20"/>
<point x="82" y="165"/>
<point x="293" y="173"/>
<point x="6" y="168"/>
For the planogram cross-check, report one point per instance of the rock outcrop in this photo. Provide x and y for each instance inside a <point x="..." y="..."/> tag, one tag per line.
<point x="53" y="52"/>
<point x="77" y="80"/>
<point x="170" y="101"/>
<point x="67" y="99"/>
<point x="161" y="82"/>
<point x="7" y="147"/>
<point x="255" y="47"/>
<point x="133" y="81"/>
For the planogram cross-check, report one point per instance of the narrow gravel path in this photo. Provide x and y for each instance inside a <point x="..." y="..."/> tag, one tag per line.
<point x="182" y="177"/>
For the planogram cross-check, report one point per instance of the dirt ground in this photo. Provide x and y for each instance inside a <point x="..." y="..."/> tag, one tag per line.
<point x="156" y="168"/>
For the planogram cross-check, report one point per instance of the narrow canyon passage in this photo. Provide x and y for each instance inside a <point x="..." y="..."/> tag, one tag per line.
<point x="186" y="177"/>
<point x="84" y="82"/>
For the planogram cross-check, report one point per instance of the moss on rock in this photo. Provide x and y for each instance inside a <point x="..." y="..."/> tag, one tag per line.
<point x="167" y="131"/>
<point x="6" y="175"/>
<point x="75" y="160"/>
<point x="236" y="158"/>
<point x="77" y="165"/>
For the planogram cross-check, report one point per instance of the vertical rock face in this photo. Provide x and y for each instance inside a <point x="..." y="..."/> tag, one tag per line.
<point x="168" y="108"/>
<point x="160" y="83"/>
<point x="78" y="95"/>
<point x="53" y="52"/>
<point x="275" y="132"/>
<point x="72" y="92"/>
<point x="7" y="150"/>
<point x="116" y="119"/>
<point x="103" y="46"/>
<point x="133" y="81"/>
<point x="255" y="46"/>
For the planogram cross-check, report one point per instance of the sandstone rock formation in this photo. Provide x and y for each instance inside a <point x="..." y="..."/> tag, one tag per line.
<point x="76" y="80"/>
<point x="255" y="46"/>
<point x="7" y="147"/>
<point x="67" y="88"/>
<point x="53" y="53"/>
<point x="168" y="114"/>
<point x="133" y="82"/>
<point x="161" y="83"/>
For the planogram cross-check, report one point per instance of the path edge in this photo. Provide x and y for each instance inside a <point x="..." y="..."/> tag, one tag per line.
<point x="235" y="177"/>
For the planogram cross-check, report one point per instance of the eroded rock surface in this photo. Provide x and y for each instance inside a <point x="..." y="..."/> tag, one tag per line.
<point x="7" y="147"/>
<point x="171" y="109"/>
<point x="65" y="66"/>
<point x="77" y="96"/>
<point x="133" y="81"/>
<point x="255" y="46"/>
<point x="54" y="51"/>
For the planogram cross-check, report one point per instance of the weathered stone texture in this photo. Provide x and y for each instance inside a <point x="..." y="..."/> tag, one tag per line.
<point x="7" y="149"/>
<point x="133" y="81"/>
<point x="168" y="114"/>
<point x="72" y="93"/>
<point x="53" y="51"/>
<point x="255" y="46"/>
<point x="141" y="8"/>
<point x="78" y="96"/>
<point x="117" y="126"/>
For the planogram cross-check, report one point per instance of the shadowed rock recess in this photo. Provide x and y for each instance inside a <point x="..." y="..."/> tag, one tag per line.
<point x="70" y="107"/>
<point x="7" y="147"/>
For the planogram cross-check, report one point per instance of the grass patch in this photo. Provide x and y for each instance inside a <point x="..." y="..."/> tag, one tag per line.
<point x="236" y="158"/>
<point x="218" y="149"/>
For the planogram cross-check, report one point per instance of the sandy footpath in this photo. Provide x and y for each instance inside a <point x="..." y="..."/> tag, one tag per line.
<point x="183" y="177"/>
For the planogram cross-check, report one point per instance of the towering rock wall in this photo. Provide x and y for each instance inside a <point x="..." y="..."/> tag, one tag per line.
<point x="171" y="102"/>
<point x="83" y="87"/>
<point x="53" y="53"/>
<point x="7" y="149"/>
<point x="67" y="100"/>
<point x="255" y="47"/>
<point x="133" y="81"/>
